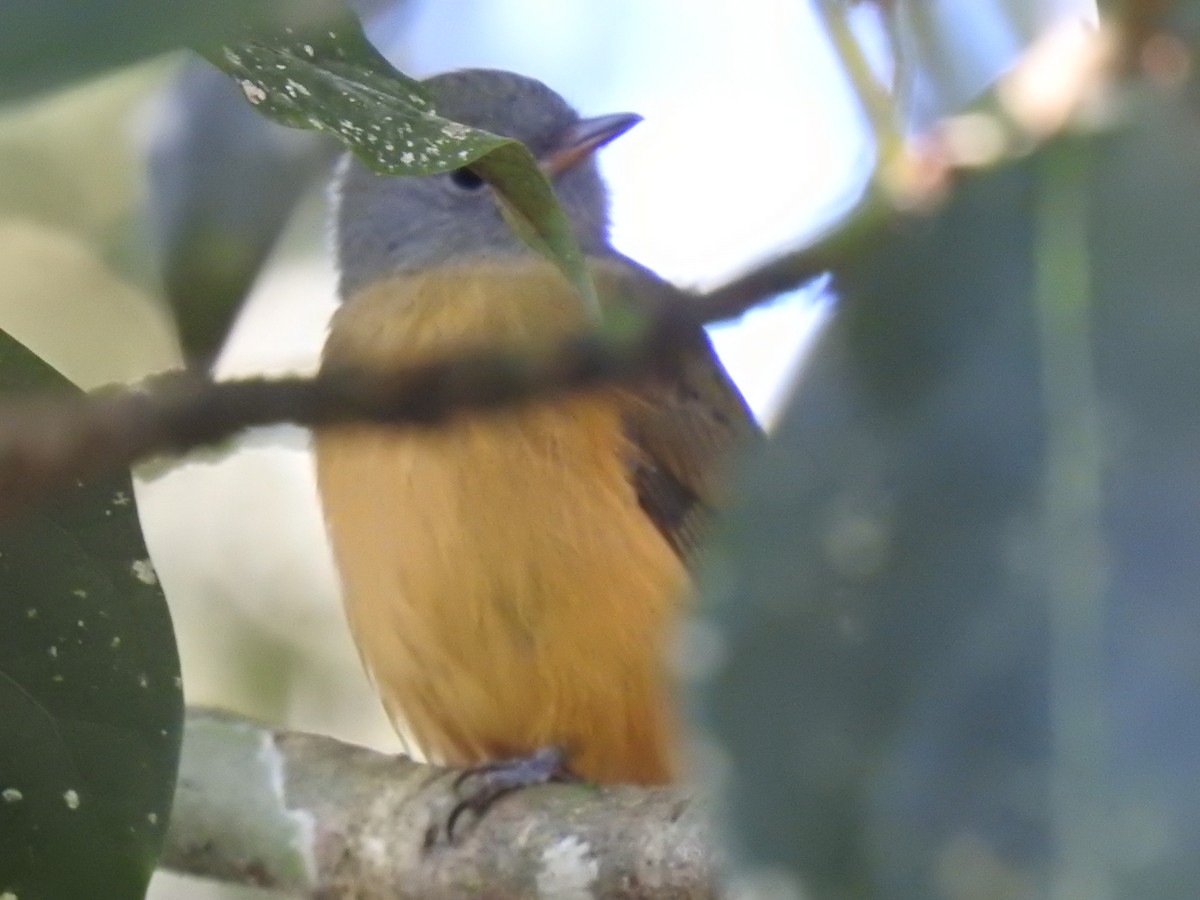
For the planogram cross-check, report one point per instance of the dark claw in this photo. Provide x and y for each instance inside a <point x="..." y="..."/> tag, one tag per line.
<point x="501" y="777"/>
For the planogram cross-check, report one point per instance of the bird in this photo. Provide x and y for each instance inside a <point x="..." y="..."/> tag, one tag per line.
<point x="515" y="580"/>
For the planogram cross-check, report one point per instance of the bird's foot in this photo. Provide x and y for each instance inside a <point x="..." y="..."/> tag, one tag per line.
<point x="482" y="785"/>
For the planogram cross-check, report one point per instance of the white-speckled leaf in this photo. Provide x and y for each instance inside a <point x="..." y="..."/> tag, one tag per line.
<point x="90" y="697"/>
<point x="334" y="81"/>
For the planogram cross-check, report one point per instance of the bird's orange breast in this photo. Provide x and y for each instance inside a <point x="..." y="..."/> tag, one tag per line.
<point x="504" y="587"/>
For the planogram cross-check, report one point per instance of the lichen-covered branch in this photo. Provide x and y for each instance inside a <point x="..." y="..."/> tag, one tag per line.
<point x="319" y="818"/>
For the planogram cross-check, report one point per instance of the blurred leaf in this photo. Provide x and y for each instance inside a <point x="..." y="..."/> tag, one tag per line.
<point x="948" y="52"/>
<point x="214" y="231"/>
<point x="930" y="686"/>
<point x="89" y="689"/>
<point x="46" y="43"/>
<point x="334" y="81"/>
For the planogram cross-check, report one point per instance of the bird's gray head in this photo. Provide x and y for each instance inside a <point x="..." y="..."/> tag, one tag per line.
<point x="386" y="224"/>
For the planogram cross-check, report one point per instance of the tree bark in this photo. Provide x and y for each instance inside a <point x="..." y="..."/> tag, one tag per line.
<point x="319" y="818"/>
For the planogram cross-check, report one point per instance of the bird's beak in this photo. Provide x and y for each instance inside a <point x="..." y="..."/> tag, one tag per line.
<point x="584" y="138"/>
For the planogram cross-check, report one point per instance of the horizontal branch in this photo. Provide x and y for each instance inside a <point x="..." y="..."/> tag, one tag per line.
<point x="316" y="817"/>
<point x="50" y="441"/>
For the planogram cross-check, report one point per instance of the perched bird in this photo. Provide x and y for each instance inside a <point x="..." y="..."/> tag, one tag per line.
<point x="513" y="579"/>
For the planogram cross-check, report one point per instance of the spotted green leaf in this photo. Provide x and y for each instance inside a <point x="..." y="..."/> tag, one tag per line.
<point x="89" y="688"/>
<point x="334" y="81"/>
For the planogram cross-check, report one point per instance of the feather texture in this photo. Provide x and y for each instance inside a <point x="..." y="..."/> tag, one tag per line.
<point x="504" y="583"/>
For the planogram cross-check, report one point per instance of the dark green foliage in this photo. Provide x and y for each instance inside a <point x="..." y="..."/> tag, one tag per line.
<point x="47" y="43"/>
<point x="90" y="695"/>
<point x="213" y="232"/>
<point x="963" y="575"/>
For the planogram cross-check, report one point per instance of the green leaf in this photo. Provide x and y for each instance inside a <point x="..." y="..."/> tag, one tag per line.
<point x="214" y="232"/>
<point x="45" y="44"/>
<point x="89" y="689"/>
<point x="956" y="602"/>
<point x="945" y="57"/>
<point x="334" y="81"/>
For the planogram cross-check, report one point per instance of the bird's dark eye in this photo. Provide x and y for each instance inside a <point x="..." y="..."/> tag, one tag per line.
<point x="466" y="179"/>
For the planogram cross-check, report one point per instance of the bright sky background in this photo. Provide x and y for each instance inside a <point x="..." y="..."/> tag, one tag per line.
<point x="750" y="142"/>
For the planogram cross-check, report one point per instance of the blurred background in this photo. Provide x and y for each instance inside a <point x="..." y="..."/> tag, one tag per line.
<point x="125" y="195"/>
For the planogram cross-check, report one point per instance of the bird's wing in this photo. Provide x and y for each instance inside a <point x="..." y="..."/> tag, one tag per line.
<point x="684" y="429"/>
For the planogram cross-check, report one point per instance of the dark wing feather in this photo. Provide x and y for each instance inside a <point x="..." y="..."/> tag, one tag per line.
<point x="684" y="428"/>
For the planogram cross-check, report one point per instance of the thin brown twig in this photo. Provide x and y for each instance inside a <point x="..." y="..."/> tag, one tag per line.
<point x="47" y="441"/>
<point x="824" y="254"/>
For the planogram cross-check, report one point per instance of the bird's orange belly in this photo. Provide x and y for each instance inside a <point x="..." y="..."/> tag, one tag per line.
<point x="505" y="589"/>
